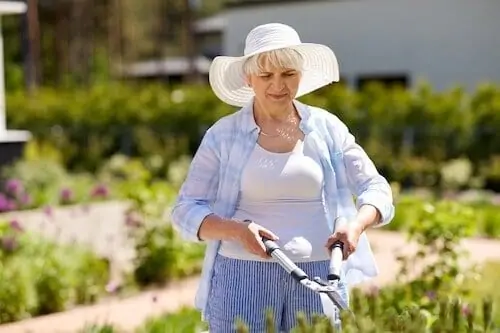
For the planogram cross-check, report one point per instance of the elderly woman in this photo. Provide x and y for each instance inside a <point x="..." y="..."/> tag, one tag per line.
<point x="281" y="169"/>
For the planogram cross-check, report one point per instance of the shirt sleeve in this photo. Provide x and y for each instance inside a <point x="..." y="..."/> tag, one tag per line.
<point x="364" y="180"/>
<point x="198" y="192"/>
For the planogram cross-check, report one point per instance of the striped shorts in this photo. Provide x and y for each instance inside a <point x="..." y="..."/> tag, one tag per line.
<point x="243" y="290"/>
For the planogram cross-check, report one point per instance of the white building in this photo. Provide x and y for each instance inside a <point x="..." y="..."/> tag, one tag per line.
<point x="444" y="42"/>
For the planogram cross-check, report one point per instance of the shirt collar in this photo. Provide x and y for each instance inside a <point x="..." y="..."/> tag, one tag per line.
<point x="249" y="125"/>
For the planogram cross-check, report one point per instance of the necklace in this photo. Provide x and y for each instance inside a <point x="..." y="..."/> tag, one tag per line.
<point x="269" y="135"/>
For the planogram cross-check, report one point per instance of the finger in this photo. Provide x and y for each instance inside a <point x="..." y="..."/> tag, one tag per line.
<point x="348" y="251"/>
<point x="263" y="232"/>
<point x="333" y="239"/>
<point x="260" y="248"/>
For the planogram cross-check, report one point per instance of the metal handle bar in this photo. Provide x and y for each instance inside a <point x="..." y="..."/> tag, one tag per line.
<point x="337" y="255"/>
<point x="273" y="249"/>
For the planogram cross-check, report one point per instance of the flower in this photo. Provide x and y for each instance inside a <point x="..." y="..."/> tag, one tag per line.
<point x="6" y="205"/>
<point x="66" y="195"/>
<point x="14" y="187"/>
<point x="431" y="295"/>
<point x="48" y="211"/>
<point x="100" y="191"/>
<point x="466" y="310"/>
<point x="132" y="219"/>
<point x="112" y="287"/>
<point x="9" y="244"/>
<point x="15" y="225"/>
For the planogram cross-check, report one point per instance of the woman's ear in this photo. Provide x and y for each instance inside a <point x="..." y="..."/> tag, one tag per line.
<point x="247" y="81"/>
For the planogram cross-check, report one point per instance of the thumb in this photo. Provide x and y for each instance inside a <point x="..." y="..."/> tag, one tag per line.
<point x="263" y="232"/>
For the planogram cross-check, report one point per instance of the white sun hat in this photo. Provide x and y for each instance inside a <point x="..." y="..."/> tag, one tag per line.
<point x="227" y="78"/>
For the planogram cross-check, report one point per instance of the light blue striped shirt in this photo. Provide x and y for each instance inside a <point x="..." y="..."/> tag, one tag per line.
<point x="213" y="183"/>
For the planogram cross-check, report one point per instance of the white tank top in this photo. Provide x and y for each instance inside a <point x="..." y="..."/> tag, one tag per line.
<point x="283" y="193"/>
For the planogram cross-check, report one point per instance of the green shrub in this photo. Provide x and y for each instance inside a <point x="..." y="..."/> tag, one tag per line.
<point x="184" y="320"/>
<point x="483" y="220"/>
<point x="409" y="134"/>
<point x="32" y="184"/>
<point x="161" y="255"/>
<point x="40" y="277"/>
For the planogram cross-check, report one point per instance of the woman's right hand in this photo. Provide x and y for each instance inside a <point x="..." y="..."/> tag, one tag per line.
<point x="250" y="236"/>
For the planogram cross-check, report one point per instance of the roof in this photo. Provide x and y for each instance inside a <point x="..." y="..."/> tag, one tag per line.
<point x="12" y="7"/>
<point x="168" y="66"/>
<point x="215" y="23"/>
<point x="251" y="3"/>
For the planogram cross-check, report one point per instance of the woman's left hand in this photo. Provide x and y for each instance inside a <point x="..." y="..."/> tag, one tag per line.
<point x="348" y="234"/>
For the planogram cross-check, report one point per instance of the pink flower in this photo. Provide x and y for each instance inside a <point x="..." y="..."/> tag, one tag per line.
<point x="100" y="191"/>
<point x="132" y="219"/>
<point x="4" y="203"/>
<point x="66" y="195"/>
<point x="9" y="244"/>
<point x="48" y="211"/>
<point x="15" y="225"/>
<point x="466" y="310"/>
<point x="14" y="187"/>
<point x="112" y="287"/>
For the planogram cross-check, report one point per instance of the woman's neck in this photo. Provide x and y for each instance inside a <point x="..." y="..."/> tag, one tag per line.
<point x="275" y="114"/>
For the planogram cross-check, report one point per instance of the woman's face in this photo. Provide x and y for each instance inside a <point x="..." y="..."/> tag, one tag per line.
<point x="274" y="86"/>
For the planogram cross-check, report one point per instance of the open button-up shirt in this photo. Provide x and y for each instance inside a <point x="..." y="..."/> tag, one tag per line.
<point x="212" y="184"/>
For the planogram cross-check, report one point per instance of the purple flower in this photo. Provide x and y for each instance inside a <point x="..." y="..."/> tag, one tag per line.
<point x="4" y="203"/>
<point x="112" y="287"/>
<point x="466" y="310"/>
<point x="15" y="225"/>
<point x="48" y="211"/>
<point x="14" y="187"/>
<point x="431" y="295"/>
<point x="132" y="220"/>
<point x="100" y="191"/>
<point x="66" y="195"/>
<point x="11" y="205"/>
<point x="9" y="244"/>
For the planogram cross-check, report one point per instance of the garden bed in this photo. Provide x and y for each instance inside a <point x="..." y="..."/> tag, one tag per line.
<point x="98" y="226"/>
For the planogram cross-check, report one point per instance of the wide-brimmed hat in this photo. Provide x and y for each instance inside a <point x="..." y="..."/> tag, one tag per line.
<point x="227" y="78"/>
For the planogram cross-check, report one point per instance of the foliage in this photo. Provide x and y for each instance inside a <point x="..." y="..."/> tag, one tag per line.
<point x="435" y="291"/>
<point x="161" y="255"/>
<point x="483" y="214"/>
<point x="184" y="320"/>
<point x="411" y="135"/>
<point x="36" y="183"/>
<point x="39" y="277"/>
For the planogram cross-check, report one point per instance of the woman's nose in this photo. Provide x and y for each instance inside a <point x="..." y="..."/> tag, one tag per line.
<point x="278" y="82"/>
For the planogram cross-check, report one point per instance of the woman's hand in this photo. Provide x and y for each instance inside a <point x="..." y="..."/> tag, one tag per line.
<point x="249" y="235"/>
<point x="348" y="234"/>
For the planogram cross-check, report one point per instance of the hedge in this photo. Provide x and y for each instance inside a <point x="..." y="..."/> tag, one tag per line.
<point x="411" y="135"/>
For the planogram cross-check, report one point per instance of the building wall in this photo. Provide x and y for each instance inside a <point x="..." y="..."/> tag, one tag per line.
<point x="442" y="41"/>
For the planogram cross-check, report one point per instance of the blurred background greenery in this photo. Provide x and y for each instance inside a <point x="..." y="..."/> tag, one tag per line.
<point x="98" y="137"/>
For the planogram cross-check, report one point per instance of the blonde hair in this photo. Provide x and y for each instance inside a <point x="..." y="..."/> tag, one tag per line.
<point x="285" y="58"/>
